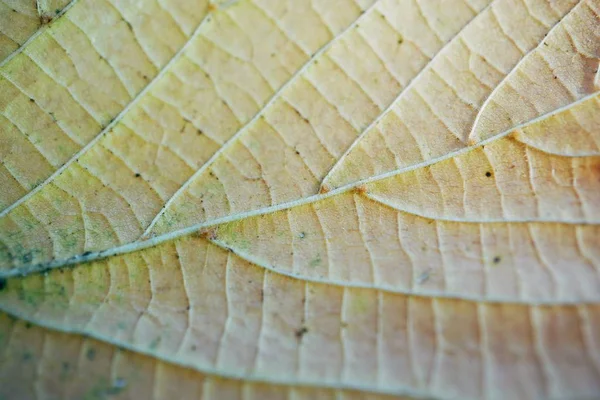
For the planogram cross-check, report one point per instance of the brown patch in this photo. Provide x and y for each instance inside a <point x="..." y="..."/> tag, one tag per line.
<point x="361" y="189"/>
<point x="210" y="234"/>
<point x="301" y="332"/>
<point x="324" y="189"/>
<point x="212" y="7"/>
<point x="45" y="19"/>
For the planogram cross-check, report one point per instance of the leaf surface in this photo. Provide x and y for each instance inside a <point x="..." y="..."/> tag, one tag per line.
<point x="301" y="199"/>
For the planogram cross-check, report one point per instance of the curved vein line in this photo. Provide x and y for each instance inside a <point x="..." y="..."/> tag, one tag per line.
<point x="404" y="292"/>
<point x="217" y="373"/>
<point x="37" y="33"/>
<point x="400" y="96"/>
<point x="143" y="244"/>
<point x="113" y="122"/>
<point x="276" y="95"/>
<point x="513" y="70"/>
<point x="386" y="203"/>
<point x="38" y="7"/>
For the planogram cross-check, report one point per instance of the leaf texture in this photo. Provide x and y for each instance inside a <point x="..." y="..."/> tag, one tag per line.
<point x="300" y="199"/>
<point x="24" y="19"/>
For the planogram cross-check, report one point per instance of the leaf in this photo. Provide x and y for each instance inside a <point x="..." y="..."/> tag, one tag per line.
<point x="269" y="199"/>
<point x="23" y="20"/>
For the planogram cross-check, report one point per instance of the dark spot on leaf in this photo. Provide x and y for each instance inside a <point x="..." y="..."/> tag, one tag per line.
<point x="45" y="19"/>
<point x="137" y="175"/>
<point x="301" y="332"/>
<point x="3" y="284"/>
<point x="27" y="325"/>
<point x="488" y="174"/>
<point x="87" y="253"/>
<point x="497" y="259"/>
<point x="31" y="100"/>
<point x="90" y="354"/>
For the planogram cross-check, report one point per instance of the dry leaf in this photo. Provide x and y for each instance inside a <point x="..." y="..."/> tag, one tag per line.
<point x="300" y="199"/>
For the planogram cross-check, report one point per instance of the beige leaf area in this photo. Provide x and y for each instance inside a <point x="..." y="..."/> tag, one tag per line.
<point x="22" y="20"/>
<point x="300" y="199"/>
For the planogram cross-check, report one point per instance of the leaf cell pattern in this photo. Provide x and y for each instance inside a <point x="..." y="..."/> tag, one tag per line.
<point x="353" y="199"/>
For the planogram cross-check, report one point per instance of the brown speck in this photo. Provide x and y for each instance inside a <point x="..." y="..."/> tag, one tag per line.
<point x="497" y="260"/>
<point x="324" y="189"/>
<point x="488" y="174"/>
<point x="361" y="189"/>
<point x="45" y="19"/>
<point x="210" y="234"/>
<point x="301" y="332"/>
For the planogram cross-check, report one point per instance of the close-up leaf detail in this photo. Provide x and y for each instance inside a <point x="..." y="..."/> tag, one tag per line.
<point x="300" y="199"/>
